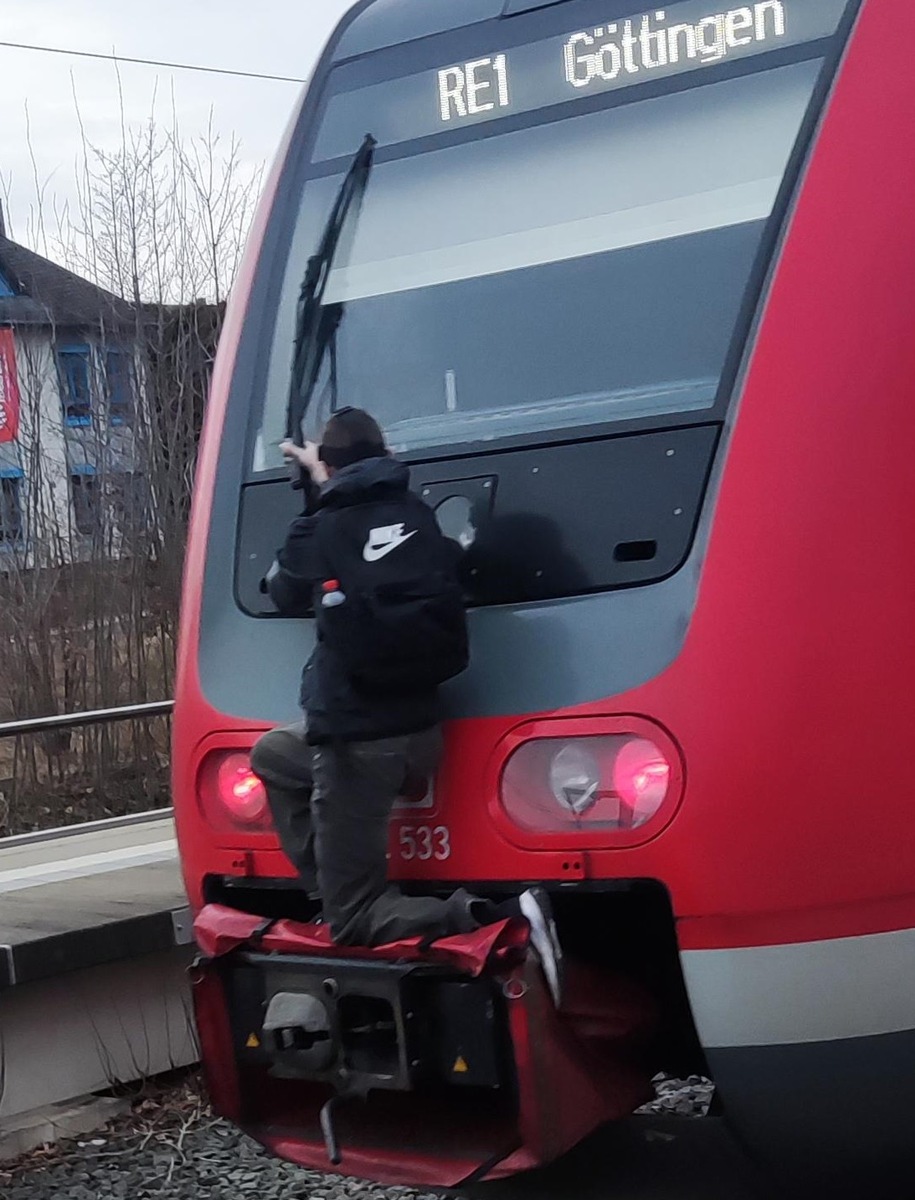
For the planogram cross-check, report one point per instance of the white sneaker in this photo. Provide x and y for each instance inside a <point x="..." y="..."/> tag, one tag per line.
<point x="538" y="912"/>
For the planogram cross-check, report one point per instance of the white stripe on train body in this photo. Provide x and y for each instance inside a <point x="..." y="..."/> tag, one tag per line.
<point x="805" y="992"/>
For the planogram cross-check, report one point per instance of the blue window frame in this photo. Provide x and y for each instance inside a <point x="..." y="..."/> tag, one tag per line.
<point x="74" y="367"/>
<point x="84" y="491"/>
<point x="5" y="288"/>
<point x="119" y="385"/>
<point x="10" y="506"/>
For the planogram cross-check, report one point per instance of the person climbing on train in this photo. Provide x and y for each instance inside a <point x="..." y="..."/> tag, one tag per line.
<point x="368" y="558"/>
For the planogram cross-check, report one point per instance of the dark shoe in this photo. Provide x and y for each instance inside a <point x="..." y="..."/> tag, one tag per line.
<point x="538" y="912"/>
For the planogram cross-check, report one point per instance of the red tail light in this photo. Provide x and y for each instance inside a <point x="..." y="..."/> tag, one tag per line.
<point x="641" y="776"/>
<point x="232" y="796"/>
<point x="240" y="790"/>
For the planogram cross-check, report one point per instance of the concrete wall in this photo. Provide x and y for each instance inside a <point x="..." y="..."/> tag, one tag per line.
<point x="82" y="1032"/>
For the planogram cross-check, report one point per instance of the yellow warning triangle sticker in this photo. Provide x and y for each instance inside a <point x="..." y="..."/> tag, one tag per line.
<point x="460" y="1066"/>
<point x="253" y="1042"/>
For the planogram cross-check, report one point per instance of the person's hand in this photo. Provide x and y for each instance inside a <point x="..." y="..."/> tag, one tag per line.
<point x="307" y="458"/>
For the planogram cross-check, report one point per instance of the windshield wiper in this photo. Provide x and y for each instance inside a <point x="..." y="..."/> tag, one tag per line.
<point x="316" y="323"/>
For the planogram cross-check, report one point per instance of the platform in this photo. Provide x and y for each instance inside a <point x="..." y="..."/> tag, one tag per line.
<point x="96" y="895"/>
<point x="95" y="941"/>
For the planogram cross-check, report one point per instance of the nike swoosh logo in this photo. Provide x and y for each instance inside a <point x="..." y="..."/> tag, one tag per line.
<point x="374" y="553"/>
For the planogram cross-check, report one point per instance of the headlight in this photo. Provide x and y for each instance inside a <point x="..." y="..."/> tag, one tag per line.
<point x="575" y="778"/>
<point x="613" y="782"/>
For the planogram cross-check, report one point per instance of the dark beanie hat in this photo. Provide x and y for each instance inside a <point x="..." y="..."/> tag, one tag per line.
<point x="350" y="436"/>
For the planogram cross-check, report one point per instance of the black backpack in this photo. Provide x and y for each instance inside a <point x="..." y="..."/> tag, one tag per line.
<point x="400" y="625"/>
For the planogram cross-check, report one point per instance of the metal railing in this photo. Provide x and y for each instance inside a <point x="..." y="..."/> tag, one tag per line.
<point x="130" y="821"/>
<point x="98" y="716"/>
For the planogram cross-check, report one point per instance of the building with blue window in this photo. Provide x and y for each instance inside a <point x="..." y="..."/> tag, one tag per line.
<point x="71" y="461"/>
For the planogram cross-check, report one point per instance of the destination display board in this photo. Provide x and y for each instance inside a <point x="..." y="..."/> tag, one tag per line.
<point x="620" y="53"/>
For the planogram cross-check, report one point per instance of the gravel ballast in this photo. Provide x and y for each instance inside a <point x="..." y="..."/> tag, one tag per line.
<point x="172" y="1148"/>
<point x="212" y="1162"/>
<point x="680" y="1097"/>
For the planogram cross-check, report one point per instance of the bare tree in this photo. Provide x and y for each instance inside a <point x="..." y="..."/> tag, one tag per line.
<point x="162" y="219"/>
<point x="89" y="600"/>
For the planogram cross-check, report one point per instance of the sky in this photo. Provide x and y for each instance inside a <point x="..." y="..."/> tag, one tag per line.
<point x="39" y="92"/>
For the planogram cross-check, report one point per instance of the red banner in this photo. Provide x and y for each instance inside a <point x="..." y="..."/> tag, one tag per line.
<point x="9" y="388"/>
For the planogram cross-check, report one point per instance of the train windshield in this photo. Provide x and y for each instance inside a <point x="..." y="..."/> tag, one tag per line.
<point x="525" y="264"/>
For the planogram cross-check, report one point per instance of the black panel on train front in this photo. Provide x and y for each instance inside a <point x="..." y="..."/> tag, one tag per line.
<point x="546" y="522"/>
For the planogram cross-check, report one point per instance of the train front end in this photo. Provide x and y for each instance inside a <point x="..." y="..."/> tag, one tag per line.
<point x="630" y="291"/>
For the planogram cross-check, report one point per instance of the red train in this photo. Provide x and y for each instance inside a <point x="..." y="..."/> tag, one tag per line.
<point x="632" y="291"/>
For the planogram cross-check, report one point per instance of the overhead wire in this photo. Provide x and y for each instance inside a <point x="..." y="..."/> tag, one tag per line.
<point x="152" y="62"/>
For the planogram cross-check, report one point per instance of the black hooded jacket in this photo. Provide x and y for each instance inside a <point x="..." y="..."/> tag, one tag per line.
<point x="334" y="709"/>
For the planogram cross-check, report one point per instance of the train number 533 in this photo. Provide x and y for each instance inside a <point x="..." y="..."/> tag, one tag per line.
<point x="424" y="842"/>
